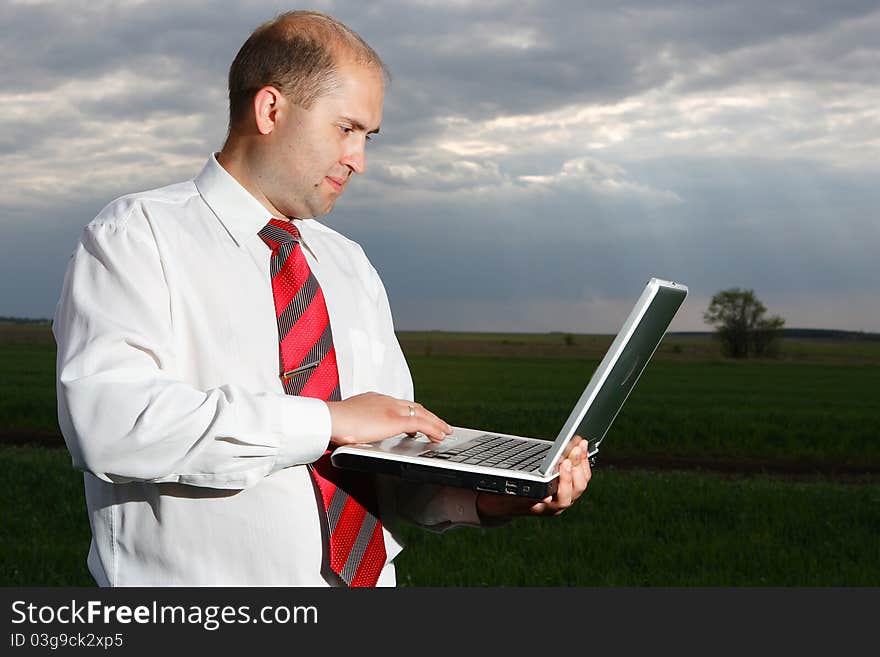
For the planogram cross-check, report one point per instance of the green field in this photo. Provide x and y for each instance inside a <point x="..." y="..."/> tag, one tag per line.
<point x="27" y="387"/>
<point x="633" y="529"/>
<point x="814" y="411"/>
<point x="802" y="413"/>
<point x="669" y="529"/>
<point x="815" y="406"/>
<point x="853" y="350"/>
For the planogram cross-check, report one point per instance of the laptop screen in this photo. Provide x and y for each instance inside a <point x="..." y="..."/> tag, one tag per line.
<point x="621" y="367"/>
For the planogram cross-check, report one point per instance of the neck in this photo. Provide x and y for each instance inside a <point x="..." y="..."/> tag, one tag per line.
<point x="236" y="158"/>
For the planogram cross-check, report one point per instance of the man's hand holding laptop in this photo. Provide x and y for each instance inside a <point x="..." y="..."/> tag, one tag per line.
<point x="574" y="475"/>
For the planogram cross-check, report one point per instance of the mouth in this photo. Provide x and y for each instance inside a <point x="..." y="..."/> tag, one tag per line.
<point x="338" y="184"/>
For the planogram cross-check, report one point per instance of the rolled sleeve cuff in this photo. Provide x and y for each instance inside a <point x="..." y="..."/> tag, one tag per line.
<point x="305" y="431"/>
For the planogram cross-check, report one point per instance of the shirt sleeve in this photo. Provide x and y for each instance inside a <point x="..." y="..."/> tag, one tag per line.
<point x="124" y="414"/>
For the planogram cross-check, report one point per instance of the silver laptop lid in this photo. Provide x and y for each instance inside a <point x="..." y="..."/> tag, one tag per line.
<point x="621" y="367"/>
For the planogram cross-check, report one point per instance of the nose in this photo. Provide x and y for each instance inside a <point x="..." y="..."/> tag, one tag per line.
<point x="355" y="157"/>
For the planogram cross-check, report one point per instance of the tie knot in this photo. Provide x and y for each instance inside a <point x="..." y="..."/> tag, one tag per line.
<point x="278" y="232"/>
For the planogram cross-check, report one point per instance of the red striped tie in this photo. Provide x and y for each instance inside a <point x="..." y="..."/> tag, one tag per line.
<point x="308" y="369"/>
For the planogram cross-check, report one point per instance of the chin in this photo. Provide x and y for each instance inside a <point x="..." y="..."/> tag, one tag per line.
<point x="323" y="212"/>
<point x="307" y="213"/>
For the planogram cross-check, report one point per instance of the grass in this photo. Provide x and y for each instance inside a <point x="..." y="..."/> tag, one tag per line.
<point x="632" y="529"/>
<point x="44" y="536"/>
<point x="816" y="405"/>
<point x="27" y="387"/>
<point x="671" y="529"/>
<point x="675" y="347"/>
<point x="803" y="413"/>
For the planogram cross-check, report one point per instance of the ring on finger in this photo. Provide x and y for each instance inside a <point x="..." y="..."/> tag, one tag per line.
<point x="412" y="410"/>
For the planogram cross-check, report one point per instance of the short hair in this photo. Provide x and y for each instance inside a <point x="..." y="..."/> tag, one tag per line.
<point x="297" y="52"/>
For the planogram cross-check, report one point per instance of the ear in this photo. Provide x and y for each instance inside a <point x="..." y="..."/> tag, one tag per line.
<point x="267" y="101"/>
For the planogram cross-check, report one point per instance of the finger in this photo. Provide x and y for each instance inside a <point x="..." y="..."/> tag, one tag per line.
<point x="564" y="491"/>
<point x="436" y="429"/>
<point x="580" y="479"/>
<point x="572" y="445"/>
<point x="582" y="473"/>
<point x="588" y="471"/>
<point x="421" y="419"/>
<point x="540" y="508"/>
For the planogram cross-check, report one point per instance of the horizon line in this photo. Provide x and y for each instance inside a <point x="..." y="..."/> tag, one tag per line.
<point x="44" y="320"/>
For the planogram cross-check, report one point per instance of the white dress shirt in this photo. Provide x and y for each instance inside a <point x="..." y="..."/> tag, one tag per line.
<point x="170" y="401"/>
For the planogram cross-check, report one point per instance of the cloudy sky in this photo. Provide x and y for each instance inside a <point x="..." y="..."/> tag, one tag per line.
<point x="538" y="161"/>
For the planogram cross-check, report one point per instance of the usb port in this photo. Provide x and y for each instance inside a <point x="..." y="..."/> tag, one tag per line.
<point x="510" y="487"/>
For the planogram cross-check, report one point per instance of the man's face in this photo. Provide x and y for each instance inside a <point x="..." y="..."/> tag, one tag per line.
<point x="314" y="152"/>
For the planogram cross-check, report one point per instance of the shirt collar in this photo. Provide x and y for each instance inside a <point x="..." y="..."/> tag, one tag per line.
<point x="241" y="214"/>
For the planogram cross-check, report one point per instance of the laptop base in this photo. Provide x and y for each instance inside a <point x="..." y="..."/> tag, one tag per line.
<point x="502" y="484"/>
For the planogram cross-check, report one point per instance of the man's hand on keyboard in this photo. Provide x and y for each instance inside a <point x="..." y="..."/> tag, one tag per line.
<point x="574" y="475"/>
<point x="370" y="417"/>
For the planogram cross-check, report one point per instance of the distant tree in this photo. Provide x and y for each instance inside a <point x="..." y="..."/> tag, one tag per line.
<point x="740" y="324"/>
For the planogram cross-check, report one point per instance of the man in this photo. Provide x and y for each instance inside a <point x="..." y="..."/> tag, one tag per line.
<point x="214" y="341"/>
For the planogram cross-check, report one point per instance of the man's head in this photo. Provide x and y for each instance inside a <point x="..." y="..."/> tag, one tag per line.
<point x="298" y="53"/>
<point x="305" y="92"/>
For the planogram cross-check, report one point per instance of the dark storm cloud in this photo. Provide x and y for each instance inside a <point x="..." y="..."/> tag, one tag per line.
<point x="719" y="143"/>
<point x="448" y="60"/>
<point x="458" y="58"/>
<point x="780" y="228"/>
<point x="51" y="43"/>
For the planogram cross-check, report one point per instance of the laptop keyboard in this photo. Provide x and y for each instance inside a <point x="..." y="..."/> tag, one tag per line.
<point x="496" y="452"/>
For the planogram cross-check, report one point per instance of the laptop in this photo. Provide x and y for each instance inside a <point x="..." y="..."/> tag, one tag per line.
<point x="517" y="465"/>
